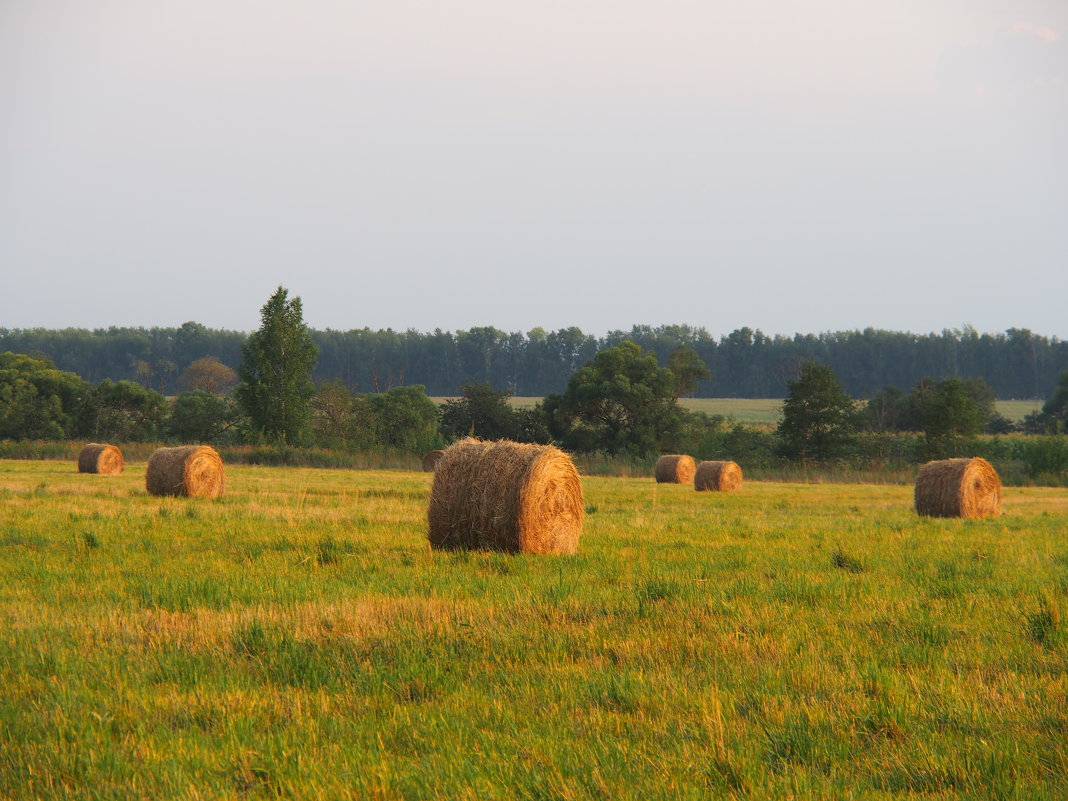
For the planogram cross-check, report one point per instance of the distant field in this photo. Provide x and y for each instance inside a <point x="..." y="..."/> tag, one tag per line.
<point x="745" y="410"/>
<point x="299" y="639"/>
<point x="1018" y="409"/>
<point x="753" y="410"/>
<point x="768" y="410"/>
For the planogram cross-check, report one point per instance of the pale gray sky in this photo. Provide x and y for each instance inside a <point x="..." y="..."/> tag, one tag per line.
<point x="790" y="165"/>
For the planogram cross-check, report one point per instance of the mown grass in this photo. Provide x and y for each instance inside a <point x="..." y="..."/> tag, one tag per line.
<point x="298" y="639"/>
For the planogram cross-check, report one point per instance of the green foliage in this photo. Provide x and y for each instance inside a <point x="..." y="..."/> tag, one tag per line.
<point x="122" y="411"/>
<point x="531" y="426"/>
<point x="485" y="412"/>
<point x="403" y="418"/>
<point x="1053" y="419"/>
<point x="37" y="401"/>
<point x="620" y="402"/>
<point x="25" y="414"/>
<point x="201" y="417"/>
<point x="948" y="412"/>
<point x="481" y="411"/>
<point x="889" y="410"/>
<point x="688" y="369"/>
<point x="333" y="420"/>
<point x="745" y="363"/>
<point x="997" y="423"/>
<point x="276" y="365"/>
<point x="819" y="418"/>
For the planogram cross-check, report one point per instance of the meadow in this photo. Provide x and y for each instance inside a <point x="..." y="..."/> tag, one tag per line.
<point x="769" y="410"/>
<point x="297" y="638"/>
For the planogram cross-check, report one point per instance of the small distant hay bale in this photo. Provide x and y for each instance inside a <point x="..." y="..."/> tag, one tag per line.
<point x="107" y="460"/>
<point x="675" y="469"/>
<point x="505" y="496"/>
<point x="958" y="488"/>
<point x="431" y="459"/>
<point x="195" y="471"/>
<point x="719" y="476"/>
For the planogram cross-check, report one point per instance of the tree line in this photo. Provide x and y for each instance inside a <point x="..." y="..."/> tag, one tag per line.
<point x="745" y="363"/>
<point x="622" y="403"/>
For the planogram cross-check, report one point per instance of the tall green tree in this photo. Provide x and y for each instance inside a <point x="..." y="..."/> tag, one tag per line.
<point x="276" y="386"/>
<point x="950" y="411"/>
<point x="818" y="417"/>
<point x="688" y="369"/>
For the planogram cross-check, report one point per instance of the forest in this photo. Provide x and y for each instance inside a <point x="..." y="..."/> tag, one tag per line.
<point x="744" y="364"/>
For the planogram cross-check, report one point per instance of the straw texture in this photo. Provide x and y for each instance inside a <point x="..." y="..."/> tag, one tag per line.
<point x="675" y="469"/>
<point x="431" y="459"/>
<point x="958" y="488"/>
<point x="505" y="496"/>
<point x="107" y="460"/>
<point x="718" y="476"/>
<point x="195" y="471"/>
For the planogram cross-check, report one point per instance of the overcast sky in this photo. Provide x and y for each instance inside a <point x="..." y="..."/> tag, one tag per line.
<point x="790" y="165"/>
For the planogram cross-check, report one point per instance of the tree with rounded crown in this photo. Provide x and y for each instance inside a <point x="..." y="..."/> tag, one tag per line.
<point x="621" y="401"/>
<point x="207" y="374"/>
<point x="276" y="365"/>
<point x="818" y="417"/>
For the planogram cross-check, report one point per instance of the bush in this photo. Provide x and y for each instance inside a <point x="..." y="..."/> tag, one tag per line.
<point x="750" y="447"/>
<point x="122" y="411"/>
<point x="199" y="416"/>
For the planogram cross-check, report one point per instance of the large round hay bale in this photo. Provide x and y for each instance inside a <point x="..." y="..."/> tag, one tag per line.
<point x="719" y="476"/>
<point x="106" y="460"/>
<point x="195" y="471"/>
<point x="431" y="459"/>
<point x="958" y="488"/>
<point x="505" y="496"/>
<point x="675" y="469"/>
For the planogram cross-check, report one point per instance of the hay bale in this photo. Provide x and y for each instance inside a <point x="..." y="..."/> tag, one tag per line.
<point x="958" y="488"/>
<point x="505" y="496"/>
<point x="675" y="469"/>
<point x="107" y="460"/>
<point x="195" y="471"/>
<point x="720" y="476"/>
<point x="431" y="459"/>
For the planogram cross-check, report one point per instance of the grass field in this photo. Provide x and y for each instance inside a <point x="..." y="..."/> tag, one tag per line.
<point x="769" y="410"/>
<point x="298" y="639"/>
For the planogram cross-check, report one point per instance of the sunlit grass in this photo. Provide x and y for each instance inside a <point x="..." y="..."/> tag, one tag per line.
<point x="297" y="638"/>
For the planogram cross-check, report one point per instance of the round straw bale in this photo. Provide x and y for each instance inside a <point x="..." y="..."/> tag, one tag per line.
<point x="505" y="496"/>
<point x="431" y="459"/>
<point x="958" y="488"/>
<point x="192" y="470"/>
<point x="675" y="469"/>
<point x="721" y="476"/>
<point x="106" y="460"/>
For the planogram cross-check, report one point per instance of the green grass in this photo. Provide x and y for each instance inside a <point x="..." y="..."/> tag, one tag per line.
<point x="769" y="410"/>
<point x="744" y="410"/>
<point x="298" y="639"/>
<point x="1017" y="409"/>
